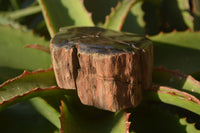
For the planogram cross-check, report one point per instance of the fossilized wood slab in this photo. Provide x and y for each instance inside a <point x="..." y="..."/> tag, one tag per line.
<point x="109" y="69"/>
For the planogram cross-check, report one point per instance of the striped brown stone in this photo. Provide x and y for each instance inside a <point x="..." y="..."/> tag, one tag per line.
<point x="109" y="69"/>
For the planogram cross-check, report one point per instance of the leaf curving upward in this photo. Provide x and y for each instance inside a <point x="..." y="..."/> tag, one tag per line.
<point x="134" y="22"/>
<point x="23" y="12"/>
<point x="38" y="47"/>
<point x="28" y="85"/>
<point x="47" y="110"/>
<point x="76" y="117"/>
<point x="185" y="11"/>
<point x="118" y="15"/>
<point x="61" y="13"/>
<point x="7" y="73"/>
<point x="4" y="21"/>
<point x="164" y="77"/>
<point x="174" y="97"/>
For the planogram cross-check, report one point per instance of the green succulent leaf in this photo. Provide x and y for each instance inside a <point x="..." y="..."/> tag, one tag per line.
<point x="76" y="117"/>
<point x="177" y="51"/>
<point x="118" y="15"/>
<point x="23" y="118"/>
<point x="99" y="9"/>
<point x="163" y="121"/>
<point x="174" y="97"/>
<point x="195" y="10"/>
<point x="14" y="55"/>
<point x="134" y="22"/>
<point x="48" y="106"/>
<point x="60" y="13"/>
<point x="184" y="8"/>
<point x="28" y="85"/>
<point x="23" y="12"/>
<point x="39" y="47"/>
<point x="7" y="73"/>
<point x="6" y="21"/>
<point x="164" y="77"/>
<point x="190" y="127"/>
<point x="46" y="110"/>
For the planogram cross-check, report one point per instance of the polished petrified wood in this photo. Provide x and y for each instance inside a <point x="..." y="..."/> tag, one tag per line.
<point x="109" y="69"/>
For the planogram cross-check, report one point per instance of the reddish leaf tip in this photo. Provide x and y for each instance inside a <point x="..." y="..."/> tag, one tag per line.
<point x="175" y="92"/>
<point x="24" y="74"/>
<point x="188" y="30"/>
<point x="29" y="92"/>
<point x="127" y="123"/>
<point x="174" y="30"/>
<point x="38" y="47"/>
<point x="174" y="72"/>
<point x="161" y="32"/>
<point x="51" y="30"/>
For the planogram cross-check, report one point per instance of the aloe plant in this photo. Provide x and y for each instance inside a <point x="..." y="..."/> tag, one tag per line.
<point x="31" y="101"/>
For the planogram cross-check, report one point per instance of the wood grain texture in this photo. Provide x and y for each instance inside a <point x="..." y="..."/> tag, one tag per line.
<point x="109" y="69"/>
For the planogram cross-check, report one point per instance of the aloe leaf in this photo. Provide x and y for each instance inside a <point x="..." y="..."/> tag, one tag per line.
<point x="23" y="12"/>
<point x="99" y="9"/>
<point x="174" y="97"/>
<point x="76" y="117"/>
<point x="39" y="83"/>
<point x="184" y="8"/>
<point x="190" y="127"/>
<point x="7" y="73"/>
<point x="23" y="118"/>
<point x="67" y="13"/>
<point x="13" y="54"/>
<point x="39" y="47"/>
<point x="28" y="85"/>
<point x="164" y="77"/>
<point x="177" y="51"/>
<point x="6" y="21"/>
<point x="134" y="22"/>
<point x="118" y="15"/>
<point x="195" y="9"/>
<point x="152" y="118"/>
<point x="15" y="4"/>
<point x="46" y="110"/>
<point x="49" y="105"/>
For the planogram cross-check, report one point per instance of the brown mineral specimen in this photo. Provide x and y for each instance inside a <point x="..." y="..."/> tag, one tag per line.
<point x="109" y="69"/>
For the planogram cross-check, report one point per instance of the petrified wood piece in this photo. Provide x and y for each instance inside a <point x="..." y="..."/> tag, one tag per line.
<point x="109" y="69"/>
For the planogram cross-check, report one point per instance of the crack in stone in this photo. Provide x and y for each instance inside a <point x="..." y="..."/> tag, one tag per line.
<point x="75" y="63"/>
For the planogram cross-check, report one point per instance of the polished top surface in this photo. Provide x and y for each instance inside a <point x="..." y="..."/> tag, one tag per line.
<point x="99" y="40"/>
